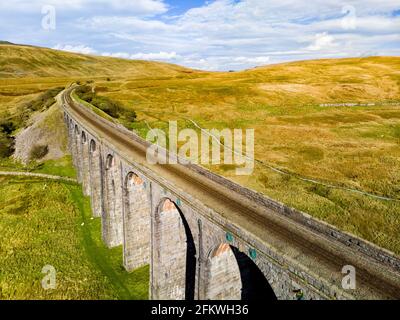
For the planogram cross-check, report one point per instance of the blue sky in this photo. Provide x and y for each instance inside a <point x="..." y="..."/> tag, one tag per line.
<point x="211" y="35"/>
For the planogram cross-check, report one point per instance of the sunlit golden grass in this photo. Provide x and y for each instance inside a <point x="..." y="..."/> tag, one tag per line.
<point x="353" y="147"/>
<point x="356" y="147"/>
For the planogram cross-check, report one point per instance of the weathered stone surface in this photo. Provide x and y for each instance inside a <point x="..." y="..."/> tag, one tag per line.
<point x="95" y="169"/>
<point x="84" y="145"/>
<point x="112" y="215"/>
<point x="137" y="229"/>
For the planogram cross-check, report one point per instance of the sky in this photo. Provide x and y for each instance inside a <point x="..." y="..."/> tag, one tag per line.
<point x="209" y="35"/>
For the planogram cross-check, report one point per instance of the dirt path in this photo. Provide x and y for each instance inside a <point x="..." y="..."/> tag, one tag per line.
<point x="37" y="175"/>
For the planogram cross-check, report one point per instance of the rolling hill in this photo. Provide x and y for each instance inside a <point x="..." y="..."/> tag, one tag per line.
<point x="336" y="121"/>
<point x="28" y="61"/>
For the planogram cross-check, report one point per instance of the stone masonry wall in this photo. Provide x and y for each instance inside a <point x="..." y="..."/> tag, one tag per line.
<point x="95" y="178"/>
<point x="136" y="223"/>
<point x="112" y="215"/>
<point x="224" y="282"/>
<point x="169" y="254"/>
<point x="85" y="164"/>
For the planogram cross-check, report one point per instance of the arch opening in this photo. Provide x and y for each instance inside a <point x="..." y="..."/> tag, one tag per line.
<point x="233" y="275"/>
<point x="83" y="137"/>
<point x="175" y="254"/>
<point x="109" y="162"/>
<point x="93" y="146"/>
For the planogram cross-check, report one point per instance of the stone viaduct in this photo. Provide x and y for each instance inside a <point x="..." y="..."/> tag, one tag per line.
<point x="197" y="249"/>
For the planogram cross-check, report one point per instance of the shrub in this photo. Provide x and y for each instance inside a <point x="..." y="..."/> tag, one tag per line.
<point x="7" y="127"/>
<point x="38" y="152"/>
<point x="85" y="93"/>
<point x="45" y="100"/>
<point x="108" y="106"/>
<point x="112" y="108"/>
<point x="6" y="145"/>
<point x="130" y="115"/>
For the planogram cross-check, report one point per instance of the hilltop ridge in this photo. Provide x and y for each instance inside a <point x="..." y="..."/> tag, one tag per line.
<point x="27" y="61"/>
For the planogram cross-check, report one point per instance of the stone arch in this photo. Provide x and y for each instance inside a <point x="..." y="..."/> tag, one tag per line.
<point x="83" y="139"/>
<point x="112" y="214"/>
<point x="233" y="275"/>
<point x="85" y="164"/>
<point x="95" y="178"/>
<point x="70" y="136"/>
<point x="77" y="153"/>
<point x="136" y="223"/>
<point x="174" y="254"/>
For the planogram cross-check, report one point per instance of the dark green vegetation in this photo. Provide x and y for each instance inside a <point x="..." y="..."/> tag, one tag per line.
<point x="10" y="123"/>
<point x="40" y="103"/>
<point x="44" y="222"/>
<point x="112" y="108"/>
<point x="38" y="152"/>
<point x="6" y="143"/>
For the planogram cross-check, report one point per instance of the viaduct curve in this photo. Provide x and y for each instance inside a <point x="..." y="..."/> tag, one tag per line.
<point x="206" y="237"/>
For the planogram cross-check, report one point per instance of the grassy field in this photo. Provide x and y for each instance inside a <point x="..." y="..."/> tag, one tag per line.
<point x="352" y="147"/>
<point x="44" y="222"/>
<point x="348" y="147"/>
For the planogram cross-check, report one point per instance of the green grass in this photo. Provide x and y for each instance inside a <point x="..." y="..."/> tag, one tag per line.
<point x="44" y="222"/>
<point x="60" y="167"/>
<point x="132" y="286"/>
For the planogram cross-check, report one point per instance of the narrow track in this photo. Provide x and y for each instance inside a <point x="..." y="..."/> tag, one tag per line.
<point x="37" y="175"/>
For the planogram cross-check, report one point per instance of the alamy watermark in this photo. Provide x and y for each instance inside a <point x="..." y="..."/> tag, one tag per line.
<point x="349" y="21"/>
<point x="49" y="280"/>
<point x="349" y="280"/>
<point x="210" y="147"/>
<point x="49" y="17"/>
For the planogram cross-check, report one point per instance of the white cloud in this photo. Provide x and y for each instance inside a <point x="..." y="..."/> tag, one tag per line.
<point x="252" y="60"/>
<point x="221" y="34"/>
<point x="155" y="56"/>
<point x="145" y="7"/>
<point x="163" y="56"/>
<point x="76" y="49"/>
<point x="322" y="41"/>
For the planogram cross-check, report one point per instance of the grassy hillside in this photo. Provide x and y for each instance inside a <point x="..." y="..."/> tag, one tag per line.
<point x="54" y="226"/>
<point x="27" y="71"/>
<point x="27" y="61"/>
<point x="345" y="146"/>
<point x="356" y="147"/>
